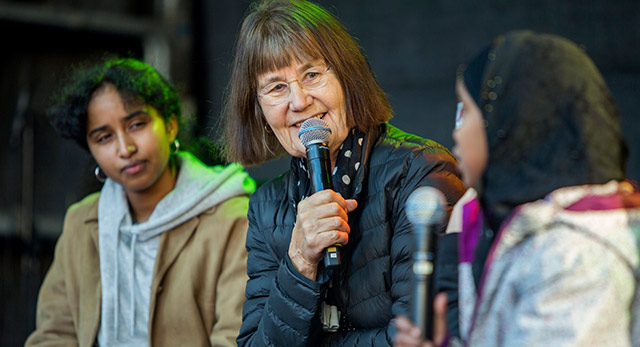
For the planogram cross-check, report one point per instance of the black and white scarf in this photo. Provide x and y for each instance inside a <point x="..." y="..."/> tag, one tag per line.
<point x="347" y="174"/>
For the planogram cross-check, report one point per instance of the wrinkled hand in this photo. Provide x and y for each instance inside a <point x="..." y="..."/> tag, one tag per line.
<point x="408" y="334"/>
<point x="321" y="222"/>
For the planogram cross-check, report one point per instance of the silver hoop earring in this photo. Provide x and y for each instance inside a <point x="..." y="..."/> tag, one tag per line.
<point x="176" y="147"/>
<point x="100" y="176"/>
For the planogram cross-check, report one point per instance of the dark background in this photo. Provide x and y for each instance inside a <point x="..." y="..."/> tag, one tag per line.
<point x="414" y="48"/>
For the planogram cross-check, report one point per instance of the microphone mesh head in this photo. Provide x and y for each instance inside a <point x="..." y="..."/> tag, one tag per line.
<point x="425" y="206"/>
<point x="314" y="130"/>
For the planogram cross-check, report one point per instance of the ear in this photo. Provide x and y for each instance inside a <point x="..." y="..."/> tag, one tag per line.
<point x="172" y="127"/>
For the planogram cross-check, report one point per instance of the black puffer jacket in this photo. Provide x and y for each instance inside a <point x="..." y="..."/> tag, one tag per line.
<point x="282" y="307"/>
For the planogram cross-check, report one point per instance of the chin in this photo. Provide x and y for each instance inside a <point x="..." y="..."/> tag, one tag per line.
<point x="136" y="185"/>
<point x="299" y="153"/>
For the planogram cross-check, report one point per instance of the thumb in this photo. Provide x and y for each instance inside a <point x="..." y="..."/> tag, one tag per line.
<point x="351" y="205"/>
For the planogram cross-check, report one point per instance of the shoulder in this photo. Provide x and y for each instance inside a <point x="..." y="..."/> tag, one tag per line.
<point x="394" y="139"/>
<point x="218" y="228"/>
<point x="84" y="210"/>
<point x="395" y="145"/>
<point x="81" y="222"/>
<point x="567" y="250"/>
<point x="392" y="134"/>
<point x="563" y="227"/>
<point x="224" y="226"/>
<point x="274" y="190"/>
<point x="408" y="161"/>
<point x="232" y="208"/>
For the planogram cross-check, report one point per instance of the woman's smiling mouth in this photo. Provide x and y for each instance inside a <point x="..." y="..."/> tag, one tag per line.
<point x="319" y="116"/>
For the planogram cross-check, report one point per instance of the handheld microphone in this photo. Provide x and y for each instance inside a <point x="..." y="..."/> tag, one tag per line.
<point x="314" y="134"/>
<point x="425" y="210"/>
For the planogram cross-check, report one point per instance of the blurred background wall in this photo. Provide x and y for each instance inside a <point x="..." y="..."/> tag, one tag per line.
<point x="414" y="47"/>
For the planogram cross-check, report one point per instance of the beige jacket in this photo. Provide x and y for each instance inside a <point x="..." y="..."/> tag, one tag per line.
<point x="197" y="290"/>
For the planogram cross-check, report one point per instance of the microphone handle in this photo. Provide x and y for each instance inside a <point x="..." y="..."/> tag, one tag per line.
<point x="423" y="264"/>
<point x="319" y="166"/>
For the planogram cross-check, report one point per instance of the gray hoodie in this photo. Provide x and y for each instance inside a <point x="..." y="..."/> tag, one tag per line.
<point x="128" y="251"/>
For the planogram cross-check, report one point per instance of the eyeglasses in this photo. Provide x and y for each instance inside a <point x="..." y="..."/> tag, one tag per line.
<point x="276" y="93"/>
<point x="459" y="115"/>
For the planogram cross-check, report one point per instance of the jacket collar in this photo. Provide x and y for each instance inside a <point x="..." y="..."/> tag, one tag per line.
<point x="92" y="218"/>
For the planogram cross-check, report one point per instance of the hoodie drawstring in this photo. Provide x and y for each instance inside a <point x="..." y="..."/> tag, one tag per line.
<point x="115" y="297"/>
<point x="134" y="239"/>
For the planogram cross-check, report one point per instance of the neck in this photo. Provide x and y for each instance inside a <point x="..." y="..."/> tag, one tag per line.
<point x="333" y="157"/>
<point x="143" y="202"/>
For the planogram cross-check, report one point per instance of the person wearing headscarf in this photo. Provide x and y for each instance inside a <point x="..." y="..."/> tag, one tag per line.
<point x="293" y="62"/>
<point x="156" y="258"/>
<point x="554" y="232"/>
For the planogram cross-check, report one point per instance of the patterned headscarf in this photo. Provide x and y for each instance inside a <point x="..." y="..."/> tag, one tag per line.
<point x="550" y="120"/>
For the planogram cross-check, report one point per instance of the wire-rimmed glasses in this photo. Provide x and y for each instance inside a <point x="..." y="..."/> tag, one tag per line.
<point x="276" y="93"/>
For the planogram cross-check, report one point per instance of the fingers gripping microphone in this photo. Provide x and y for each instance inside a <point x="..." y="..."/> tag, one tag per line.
<point x="314" y="134"/>
<point x="425" y="210"/>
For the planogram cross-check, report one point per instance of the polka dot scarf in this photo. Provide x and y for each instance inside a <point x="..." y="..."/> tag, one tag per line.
<point x="347" y="174"/>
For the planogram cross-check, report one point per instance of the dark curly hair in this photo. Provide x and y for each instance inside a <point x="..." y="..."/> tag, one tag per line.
<point x="136" y="82"/>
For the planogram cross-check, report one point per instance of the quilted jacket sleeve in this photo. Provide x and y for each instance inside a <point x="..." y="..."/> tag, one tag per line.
<point x="281" y="305"/>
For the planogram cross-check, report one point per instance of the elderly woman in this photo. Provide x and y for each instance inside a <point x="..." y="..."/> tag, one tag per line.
<point x="538" y="137"/>
<point x="293" y="62"/>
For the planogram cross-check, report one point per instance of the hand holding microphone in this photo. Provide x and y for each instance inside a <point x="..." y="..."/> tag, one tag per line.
<point x="409" y="335"/>
<point x="321" y="222"/>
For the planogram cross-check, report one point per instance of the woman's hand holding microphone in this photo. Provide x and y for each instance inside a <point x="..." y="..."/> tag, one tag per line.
<point x="321" y="221"/>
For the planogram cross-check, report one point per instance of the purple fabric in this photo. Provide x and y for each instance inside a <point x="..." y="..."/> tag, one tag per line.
<point x="603" y="203"/>
<point x="492" y="252"/>
<point x="471" y="230"/>
<point x="445" y="342"/>
<point x="488" y="262"/>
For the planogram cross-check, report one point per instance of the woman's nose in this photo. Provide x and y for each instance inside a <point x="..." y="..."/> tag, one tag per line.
<point x="299" y="97"/>
<point x="126" y="147"/>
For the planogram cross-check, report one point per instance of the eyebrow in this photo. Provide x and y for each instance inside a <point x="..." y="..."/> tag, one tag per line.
<point x="305" y="67"/>
<point x="123" y="119"/>
<point x="301" y="69"/>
